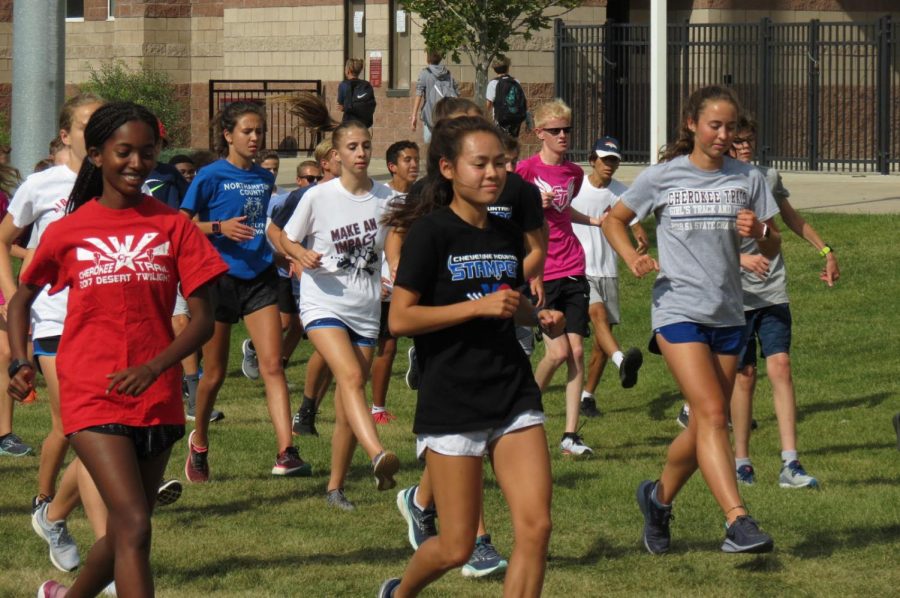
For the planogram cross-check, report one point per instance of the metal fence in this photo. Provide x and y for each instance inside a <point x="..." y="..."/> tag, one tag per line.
<point x="826" y="95"/>
<point x="283" y="130"/>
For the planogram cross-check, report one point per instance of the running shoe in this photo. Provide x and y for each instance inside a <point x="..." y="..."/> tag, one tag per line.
<point x="628" y="370"/>
<point x="190" y="411"/>
<point x="744" y="535"/>
<point x="63" y="550"/>
<point x="421" y="522"/>
<point x="51" y="589"/>
<point x="304" y="422"/>
<point x="412" y="372"/>
<point x="897" y="428"/>
<point x="12" y="446"/>
<point x="485" y="559"/>
<point x="794" y="476"/>
<point x="289" y="463"/>
<point x="387" y="588"/>
<point x="196" y="468"/>
<point x="746" y="475"/>
<point x="168" y="493"/>
<point x="249" y="364"/>
<point x="110" y="590"/>
<point x="589" y="407"/>
<point x="684" y="416"/>
<point x="337" y="500"/>
<point x="573" y="445"/>
<point x="383" y="417"/>
<point x="384" y="466"/>
<point x="656" y="535"/>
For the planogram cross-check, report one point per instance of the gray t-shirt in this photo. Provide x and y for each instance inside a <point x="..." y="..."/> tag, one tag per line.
<point x="699" y="267"/>
<point x="435" y="82"/>
<point x="772" y="290"/>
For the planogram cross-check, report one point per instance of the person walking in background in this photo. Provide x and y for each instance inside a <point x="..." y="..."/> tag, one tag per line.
<point x="435" y="83"/>
<point x="506" y="98"/>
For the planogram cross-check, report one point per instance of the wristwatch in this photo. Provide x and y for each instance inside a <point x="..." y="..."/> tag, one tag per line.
<point x="217" y="227"/>
<point x="826" y="249"/>
<point x="16" y="365"/>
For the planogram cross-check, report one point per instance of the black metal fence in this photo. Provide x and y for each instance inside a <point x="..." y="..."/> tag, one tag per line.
<point x="826" y="95"/>
<point x="283" y="130"/>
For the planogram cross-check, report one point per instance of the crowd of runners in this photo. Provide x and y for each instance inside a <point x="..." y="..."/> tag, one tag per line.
<point x="132" y="267"/>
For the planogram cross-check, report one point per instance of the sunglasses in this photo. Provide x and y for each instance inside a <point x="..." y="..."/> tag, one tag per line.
<point x="554" y="131"/>
<point x="311" y="178"/>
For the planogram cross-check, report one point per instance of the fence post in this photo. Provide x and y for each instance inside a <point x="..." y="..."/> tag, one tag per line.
<point x="812" y="94"/>
<point x="558" y="75"/>
<point x="883" y="91"/>
<point x="764" y="95"/>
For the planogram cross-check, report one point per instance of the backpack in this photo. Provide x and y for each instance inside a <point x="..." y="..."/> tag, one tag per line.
<point x="510" y="107"/>
<point x="360" y="102"/>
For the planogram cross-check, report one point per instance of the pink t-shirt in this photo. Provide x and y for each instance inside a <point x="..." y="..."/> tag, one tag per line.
<point x="565" y="255"/>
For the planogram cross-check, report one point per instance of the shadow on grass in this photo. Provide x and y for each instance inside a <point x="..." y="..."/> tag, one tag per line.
<point x="187" y="513"/>
<point x="849" y="448"/>
<point x="766" y="563"/>
<point x="823" y="544"/>
<point x="873" y="400"/>
<point x="892" y="482"/>
<point x="660" y="408"/>
<point x="600" y="549"/>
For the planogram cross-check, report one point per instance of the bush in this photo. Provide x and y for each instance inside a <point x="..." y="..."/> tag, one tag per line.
<point x="4" y="130"/>
<point x="114" y="81"/>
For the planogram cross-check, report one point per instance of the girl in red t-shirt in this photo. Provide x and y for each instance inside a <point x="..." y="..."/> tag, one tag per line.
<point x="122" y="255"/>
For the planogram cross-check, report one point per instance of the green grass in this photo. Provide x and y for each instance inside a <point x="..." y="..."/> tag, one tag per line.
<point x="247" y="534"/>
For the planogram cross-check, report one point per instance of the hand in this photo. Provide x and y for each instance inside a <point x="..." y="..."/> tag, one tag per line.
<point x="310" y="260"/>
<point x="551" y="322"/>
<point x="21" y="385"/>
<point x="830" y="273"/>
<point x="598" y="221"/>
<point x="546" y="199"/>
<point x="132" y="381"/>
<point x="501" y="304"/>
<point x="387" y="287"/>
<point x="412" y="122"/>
<point x="640" y="235"/>
<point x="537" y="291"/>
<point x="748" y="225"/>
<point x="643" y="264"/>
<point x="236" y="230"/>
<point x="757" y="264"/>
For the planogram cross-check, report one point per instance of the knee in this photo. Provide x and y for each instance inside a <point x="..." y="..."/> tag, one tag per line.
<point x="534" y="529"/>
<point x="456" y="553"/>
<point x="577" y="354"/>
<point x="746" y="377"/>
<point x="271" y="367"/>
<point x="555" y="356"/>
<point x="778" y="366"/>
<point x="355" y="379"/>
<point x="132" y="529"/>
<point x="710" y="416"/>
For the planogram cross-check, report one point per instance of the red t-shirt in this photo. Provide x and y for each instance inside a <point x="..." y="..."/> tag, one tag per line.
<point x="122" y="268"/>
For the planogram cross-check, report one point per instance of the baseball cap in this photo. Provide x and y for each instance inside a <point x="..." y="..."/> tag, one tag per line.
<point x="608" y="146"/>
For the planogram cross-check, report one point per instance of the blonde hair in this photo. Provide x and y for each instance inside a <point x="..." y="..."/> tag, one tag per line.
<point x="322" y="151"/>
<point x="551" y="110"/>
<point x="354" y="65"/>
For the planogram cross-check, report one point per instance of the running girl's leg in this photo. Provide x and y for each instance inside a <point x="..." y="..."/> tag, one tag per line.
<point x="778" y="368"/>
<point x="603" y="346"/>
<point x="457" y="483"/>
<point x="425" y="498"/>
<point x="381" y="370"/>
<point x="53" y="450"/>
<point x="741" y="410"/>
<point x="706" y="380"/>
<point x="564" y="349"/>
<point x="264" y="327"/>
<point x="128" y="488"/>
<point x="522" y="465"/>
<point x="292" y="330"/>
<point x="343" y="443"/>
<point x="215" y="363"/>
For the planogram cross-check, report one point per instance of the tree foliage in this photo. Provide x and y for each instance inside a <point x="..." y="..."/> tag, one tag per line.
<point x="482" y="29"/>
<point x="115" y="81"/>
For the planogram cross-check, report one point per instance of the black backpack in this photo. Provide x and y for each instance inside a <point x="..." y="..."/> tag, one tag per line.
<point x="360" y="102"/>
<point x="510" y="107"/>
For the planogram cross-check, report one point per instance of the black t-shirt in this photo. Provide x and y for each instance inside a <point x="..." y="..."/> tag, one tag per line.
<point x="520" y="201"/>
<point x="473" y="376"/>
<point x="281" y="215"/>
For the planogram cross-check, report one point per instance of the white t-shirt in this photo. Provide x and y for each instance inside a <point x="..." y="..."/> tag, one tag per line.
<point x="600" y="258"/>
<point x="41" y="200"/>
<point x="346" y="230"/>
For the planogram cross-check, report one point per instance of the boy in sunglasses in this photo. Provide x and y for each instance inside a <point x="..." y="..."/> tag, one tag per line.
<point x="565" y="286"/>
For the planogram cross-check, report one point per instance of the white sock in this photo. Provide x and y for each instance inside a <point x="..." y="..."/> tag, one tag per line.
<point x="617" y="358"/>
<point x="586" y="395"/>
<point x="687" y="408"/>
<point x="788" y="456"/>
<point x="416" y="500"/>
<point x="377" y="409"/>
<point x="738" y="463"/>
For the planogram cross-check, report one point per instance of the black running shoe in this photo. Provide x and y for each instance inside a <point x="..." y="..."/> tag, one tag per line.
<point x="304" y="423"/>
<point x="589" y="407"/>
<point x="631" y="363"/>
<point x="656" y="534"/>
<point x="744" y="535"/>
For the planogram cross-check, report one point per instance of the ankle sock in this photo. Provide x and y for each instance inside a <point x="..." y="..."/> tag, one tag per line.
<point x="586" y="395"/>
<point x="416" y="500"/>
<point x="377" y="409"/>
<point x="738" y="463"/>
<point x="617" y="358"/>
<point x="656" y="500"/>
<point x="788" y="456"/>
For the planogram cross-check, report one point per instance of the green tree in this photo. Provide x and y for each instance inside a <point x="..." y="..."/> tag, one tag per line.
<point x="114" y="81"/>
<point x="4" y="130"/>
<point x="482" y="29"/>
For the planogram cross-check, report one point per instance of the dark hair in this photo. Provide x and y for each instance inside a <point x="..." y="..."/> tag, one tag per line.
<point x="433" y="56"/>
<point x="393" y="152"/>
<point x="9" y="178"/>
<point x="56" y="145"/>
<point x="747" y="123"/>
<point x="180" y="159"/>
<point x="308" y="164"/>
<point x="43" y="165"/>
<point x="435" y="191"/>
<point x="448" y="106"/>
<point x="103" y="124"/>
<point x="313" y="113"/>
<point x="501" y="65"/>
<point x="202" y="158"/>
<point x="684" y="145"/>
<point x="268" y="155"/>
<point x="68" y="109"/>
<point x="226" y="120"/>
<point x="510" y="143"/>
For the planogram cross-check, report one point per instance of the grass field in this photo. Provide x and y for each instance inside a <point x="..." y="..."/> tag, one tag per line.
<point x="247" y="534"/>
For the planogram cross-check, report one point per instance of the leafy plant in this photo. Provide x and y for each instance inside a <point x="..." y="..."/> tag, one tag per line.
<point x="115" y="81"/>
<point x="4" y="130"/>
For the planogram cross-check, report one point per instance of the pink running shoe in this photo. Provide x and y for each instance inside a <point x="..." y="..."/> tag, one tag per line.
<point x="383" y="417"/>
<point x="51" y="589"/>
<point x="197" y="467"/>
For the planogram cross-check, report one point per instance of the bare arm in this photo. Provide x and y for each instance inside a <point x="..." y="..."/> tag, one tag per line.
<point x="765" y="233"/>
<point x="802" y="228"/>
<point x="416" y="106"/>
<point x="615" y="228"/>
<point x="17" y="321"/>
<point x="233" y="228"/>
<point x="408" y="318"/>
<point x="9" y="232"/>
<point x="393" y="243"/>
<point x="579" y="218"/>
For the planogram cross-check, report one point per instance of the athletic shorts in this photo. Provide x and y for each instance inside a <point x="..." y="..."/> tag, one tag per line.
<point x="355" y="337"/>
<point x="727" y="340"/>
<point x="149" y="441"/>
<point x="287" y="302"/>
<point x="384" y="331"/>
<point x="605" y="290"/>
<point x="181" y="305"/>
<point x="475" y="444"/>
<point x="771" y="325"/>
<point x="234" y="298"/>
<point x="570" y="296"/>
<point x="46" y="347"/>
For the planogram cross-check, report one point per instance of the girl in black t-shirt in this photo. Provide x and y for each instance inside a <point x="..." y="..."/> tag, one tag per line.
<point x="456" y="292"/>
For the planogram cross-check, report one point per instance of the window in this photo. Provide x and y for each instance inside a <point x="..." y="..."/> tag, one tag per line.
<point x="399" y="48"/>
<point x="75" y="9"/>
<point x="110" y="9"/>
<point x="355" y="30"/>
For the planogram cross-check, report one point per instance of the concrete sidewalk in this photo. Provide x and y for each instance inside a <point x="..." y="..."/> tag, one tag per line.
<point x="823" y="192"/>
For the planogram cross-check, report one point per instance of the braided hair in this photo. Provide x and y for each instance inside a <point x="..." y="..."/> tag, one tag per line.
<point x="103" y="124"/>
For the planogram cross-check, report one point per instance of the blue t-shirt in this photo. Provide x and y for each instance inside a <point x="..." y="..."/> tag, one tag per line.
<point x="222" y="191"/>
